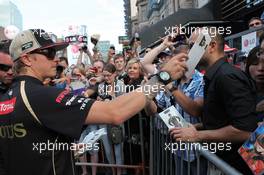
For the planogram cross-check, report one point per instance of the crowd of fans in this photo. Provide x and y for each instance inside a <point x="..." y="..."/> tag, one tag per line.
<point x="223" y="103"/>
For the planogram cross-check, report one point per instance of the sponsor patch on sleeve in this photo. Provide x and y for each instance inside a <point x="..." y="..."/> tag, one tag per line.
<point x="8" y="106"/>
<point x="62" y="95"/>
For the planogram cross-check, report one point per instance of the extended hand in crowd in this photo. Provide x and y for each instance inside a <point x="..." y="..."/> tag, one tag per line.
<point x="176" y="66"/>
<point x="61" y="80"/>
<point x="167" y="41"/>
<point x="80" y="76"/>
<point x="189" y="134"/>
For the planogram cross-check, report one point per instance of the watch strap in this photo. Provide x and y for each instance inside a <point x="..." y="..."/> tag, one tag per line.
<point x="175" y="85"/>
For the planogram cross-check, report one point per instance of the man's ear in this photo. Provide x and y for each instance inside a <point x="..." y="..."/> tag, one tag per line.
<point x="213" y="47"/>
<point x="26" y="60"/>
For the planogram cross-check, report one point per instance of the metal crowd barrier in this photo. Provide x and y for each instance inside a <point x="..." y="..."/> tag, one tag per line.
<point x="235" y="39"/>
<point x="166" y="162"/>
<point x="142" y="167"/>
<point x="162" y="161"/>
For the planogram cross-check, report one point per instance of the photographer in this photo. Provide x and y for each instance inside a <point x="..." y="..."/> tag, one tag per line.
<point x="84" y="52"/>
<point x="79" y="83"/>
<point x="149" y="57"/>
<point x="61" y="79"/>
<point x="95" y="77"/>
<point x="110" y="55"/>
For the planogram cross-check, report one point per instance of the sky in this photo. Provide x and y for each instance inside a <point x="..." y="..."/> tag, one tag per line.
<point x="105" y="17"/>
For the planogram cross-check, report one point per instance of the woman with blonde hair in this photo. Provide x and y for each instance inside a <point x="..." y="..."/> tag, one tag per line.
<point x="133" y="142"/>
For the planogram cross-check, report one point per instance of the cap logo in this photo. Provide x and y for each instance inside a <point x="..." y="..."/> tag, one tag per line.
<point x="45" y="36"/>
<point x="27" y="45"/>
<point x="41" y="33"/>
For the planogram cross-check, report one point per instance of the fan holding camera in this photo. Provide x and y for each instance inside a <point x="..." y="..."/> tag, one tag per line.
<point x="163" y="52"/>
<point x="85" y="56"/>
<point x="61" y="80"/>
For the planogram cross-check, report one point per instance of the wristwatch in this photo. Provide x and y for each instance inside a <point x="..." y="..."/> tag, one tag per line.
<point x="164" y="77"/>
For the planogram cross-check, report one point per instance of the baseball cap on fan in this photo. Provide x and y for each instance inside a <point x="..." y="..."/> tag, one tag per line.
<point x="30" y="40"/>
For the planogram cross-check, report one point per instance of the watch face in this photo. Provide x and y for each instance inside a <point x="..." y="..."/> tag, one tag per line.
<point x="164" y="76"/>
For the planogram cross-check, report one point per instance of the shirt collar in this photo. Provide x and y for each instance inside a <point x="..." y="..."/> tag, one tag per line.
<point x="28" y="78"/>
<point x="213" y="69"/>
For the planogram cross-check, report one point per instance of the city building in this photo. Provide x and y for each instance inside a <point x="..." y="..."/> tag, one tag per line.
<point x="10" y="15"/>
<point x="151" y="17"/>
<point x="241" y="9"/>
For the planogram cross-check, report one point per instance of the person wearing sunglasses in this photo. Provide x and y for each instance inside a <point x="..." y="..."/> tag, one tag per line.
<point x="6" y="64"/>
<point x="33" y="115"/>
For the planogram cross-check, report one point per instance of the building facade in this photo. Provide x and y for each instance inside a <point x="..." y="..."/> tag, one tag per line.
<point x="149" y="15"/>
<point x="241" y="9"/>
<point x="10" y="15"/>
<point x="140" y="14"/>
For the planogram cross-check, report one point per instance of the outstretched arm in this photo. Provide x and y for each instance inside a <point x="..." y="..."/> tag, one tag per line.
<point x="124" y="107"/>
<point x="151" y="55"/>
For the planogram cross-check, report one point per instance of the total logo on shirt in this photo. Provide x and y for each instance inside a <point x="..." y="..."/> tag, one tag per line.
<point x="8" y="106"/>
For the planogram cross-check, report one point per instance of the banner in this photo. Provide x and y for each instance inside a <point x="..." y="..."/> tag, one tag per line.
<point x="249" y="41"/>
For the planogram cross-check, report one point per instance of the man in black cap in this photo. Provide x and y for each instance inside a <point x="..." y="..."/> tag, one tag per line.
<point x="38" y="123"/>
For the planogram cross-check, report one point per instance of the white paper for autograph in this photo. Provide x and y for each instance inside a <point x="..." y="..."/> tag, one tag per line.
<point x="92" y="138"/>
<point x="197" y="52"/>
<point x="172" y="118"/>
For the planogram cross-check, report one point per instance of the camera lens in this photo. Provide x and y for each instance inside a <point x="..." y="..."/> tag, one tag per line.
<point x="59" y="68"/>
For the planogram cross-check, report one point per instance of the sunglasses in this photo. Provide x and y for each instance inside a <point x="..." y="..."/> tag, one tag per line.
<point x="50" y="53"/>
<point x="5" y="68"/>
<point x="254" y="24"/>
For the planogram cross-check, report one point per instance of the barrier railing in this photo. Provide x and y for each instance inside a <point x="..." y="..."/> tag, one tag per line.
<point x="165" y="161"/>
<point x="178" y="162"/>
